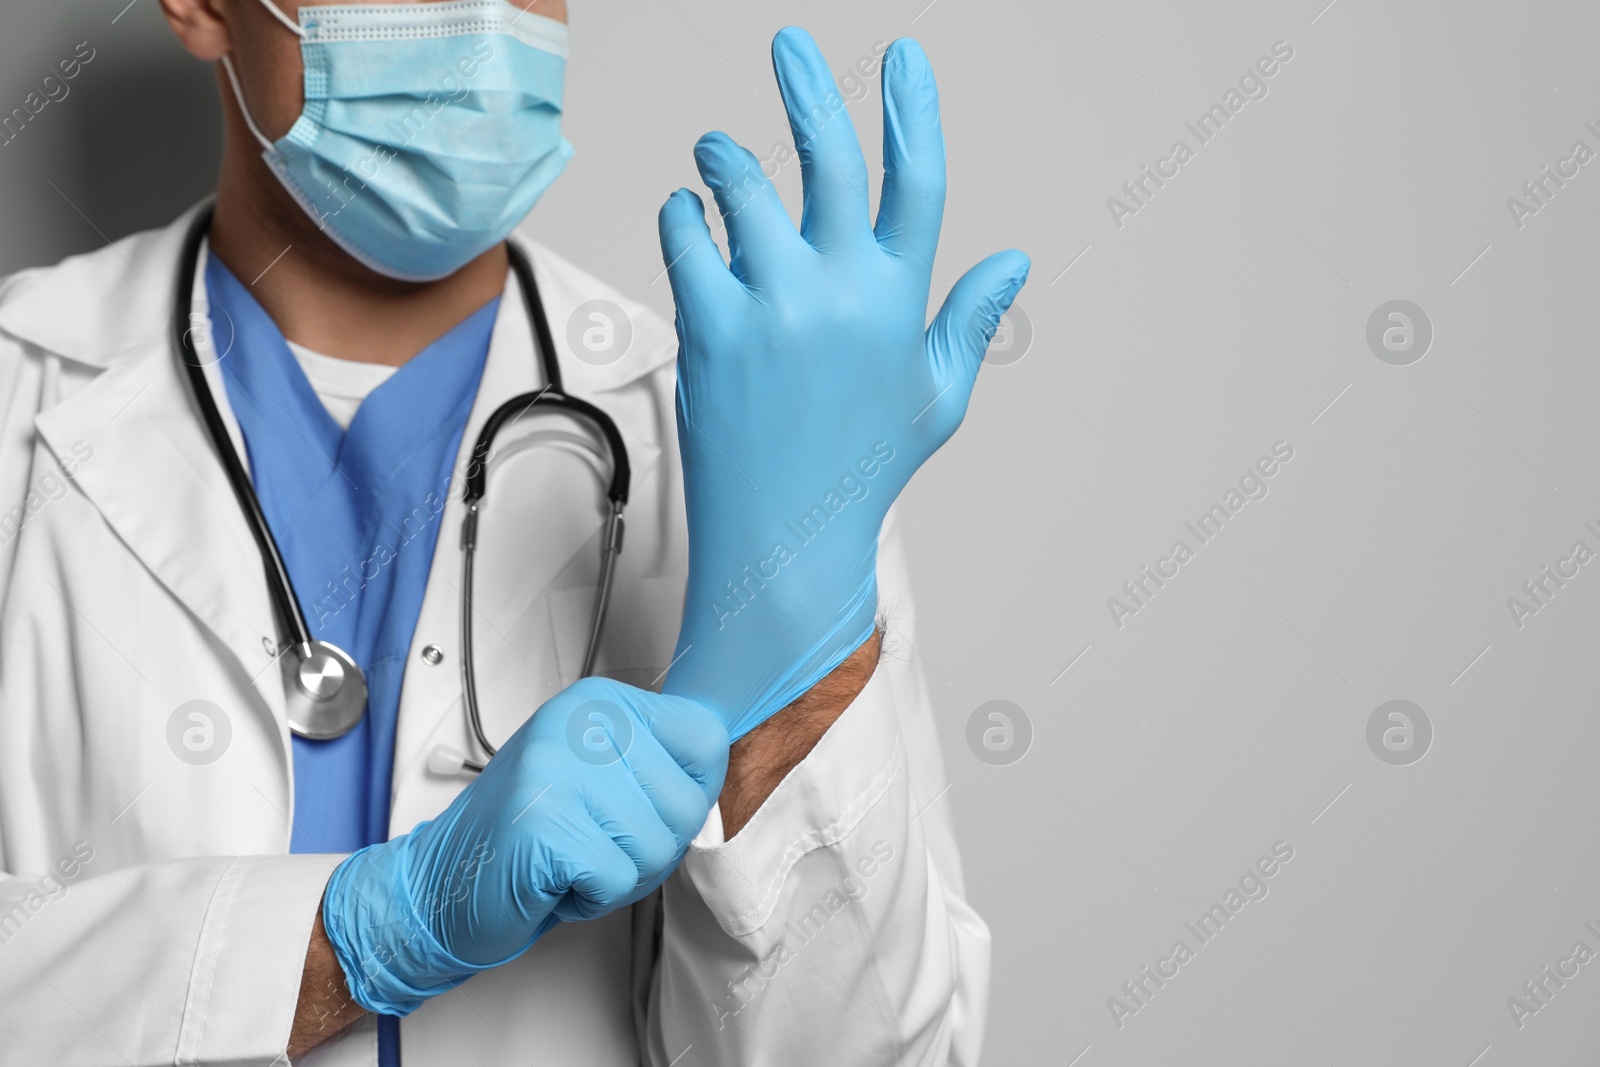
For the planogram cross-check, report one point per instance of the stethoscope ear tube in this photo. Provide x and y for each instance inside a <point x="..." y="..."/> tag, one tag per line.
<point x="446" y="760"/>
<point x="602" y="595"/>
<point x="516" y="407"/>
<point x="552" y="395"/>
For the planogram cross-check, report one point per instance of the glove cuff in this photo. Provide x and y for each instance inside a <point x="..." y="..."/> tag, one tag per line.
<point x="391" y="960"/>
<point x="855" y="624"/>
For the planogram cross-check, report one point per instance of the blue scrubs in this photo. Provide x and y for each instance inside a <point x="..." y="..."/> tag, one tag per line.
<point x="356" y="515"/>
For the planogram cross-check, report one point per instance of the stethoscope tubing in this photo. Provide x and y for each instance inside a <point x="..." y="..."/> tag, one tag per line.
<point x="279" y="585"/>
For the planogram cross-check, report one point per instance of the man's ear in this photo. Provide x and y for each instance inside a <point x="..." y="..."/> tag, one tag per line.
<point x="200" y="27"/>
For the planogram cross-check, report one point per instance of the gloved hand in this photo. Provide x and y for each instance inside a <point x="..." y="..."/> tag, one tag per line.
<point x="809" y="391"/>
<point x="587" y="808"/>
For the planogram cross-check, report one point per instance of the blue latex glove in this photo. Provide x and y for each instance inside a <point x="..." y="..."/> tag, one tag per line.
<point x="587" y="808"/>
<point x="809" y="390"/>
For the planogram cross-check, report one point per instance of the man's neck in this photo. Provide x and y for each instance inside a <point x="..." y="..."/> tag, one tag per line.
<point x="317" y="294"/>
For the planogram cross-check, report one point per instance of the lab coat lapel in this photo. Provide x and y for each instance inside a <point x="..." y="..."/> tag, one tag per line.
<point x="157" y="482"/>
<point x="155" y="477"/>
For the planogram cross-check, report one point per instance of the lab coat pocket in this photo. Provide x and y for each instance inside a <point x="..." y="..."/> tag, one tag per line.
<point x="640" y="632"/>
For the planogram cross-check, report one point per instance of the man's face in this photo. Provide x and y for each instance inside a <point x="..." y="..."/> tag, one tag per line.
<point x="267" y="55"/>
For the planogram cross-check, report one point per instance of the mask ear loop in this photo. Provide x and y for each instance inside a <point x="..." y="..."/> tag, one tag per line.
<point x="238" y="95"/>
<point x="294" y="27"/>
<point x="233" y="78"/>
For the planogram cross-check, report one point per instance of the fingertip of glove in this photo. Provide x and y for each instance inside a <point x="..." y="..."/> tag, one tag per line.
<point x="905" y="60"/>
<point x="1006" y="273"/>
<point x="1021" y="266"/>
<point x="716" y="156"/>
<point x="791" y="41"/>
<point x="795" y="55"/>
<point x="710" y="143"/>
<point x="678" y="208"/>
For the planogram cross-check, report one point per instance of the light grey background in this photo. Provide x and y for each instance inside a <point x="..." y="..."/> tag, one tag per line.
<point x="1227" y="315"/>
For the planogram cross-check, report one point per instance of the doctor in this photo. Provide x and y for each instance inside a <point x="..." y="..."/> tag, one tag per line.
<point x="197" y="872"/>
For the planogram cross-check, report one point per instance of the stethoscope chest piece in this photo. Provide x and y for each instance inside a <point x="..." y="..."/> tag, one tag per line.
<point x="324" y="690"/>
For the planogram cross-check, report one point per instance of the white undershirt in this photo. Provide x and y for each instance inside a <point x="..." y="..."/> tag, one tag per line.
<point x="341" y="384"/>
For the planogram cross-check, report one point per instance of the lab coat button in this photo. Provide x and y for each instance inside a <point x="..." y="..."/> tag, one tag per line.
<point x="432" y="655"/>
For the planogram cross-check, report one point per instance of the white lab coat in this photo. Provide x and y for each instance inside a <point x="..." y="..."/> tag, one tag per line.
<point x="153" y="913"/>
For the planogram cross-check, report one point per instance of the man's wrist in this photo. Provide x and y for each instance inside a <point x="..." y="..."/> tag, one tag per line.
<point x="325" y="1009"/>
<point x="762" y="758"/>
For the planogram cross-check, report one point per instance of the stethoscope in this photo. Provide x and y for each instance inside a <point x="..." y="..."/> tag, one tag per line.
<point x="324" y="688"/>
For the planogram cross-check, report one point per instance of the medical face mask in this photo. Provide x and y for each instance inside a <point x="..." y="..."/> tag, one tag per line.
<point x="429" y="129"/>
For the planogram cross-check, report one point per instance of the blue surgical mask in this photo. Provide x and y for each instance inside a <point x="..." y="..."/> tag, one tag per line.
<point x="429" y="129"/>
